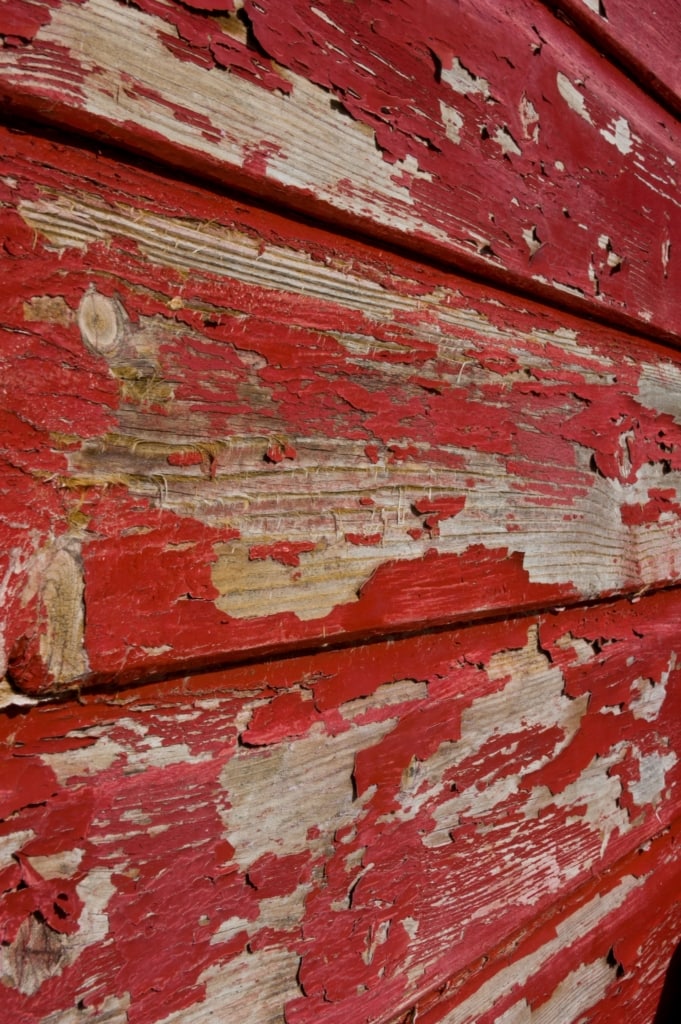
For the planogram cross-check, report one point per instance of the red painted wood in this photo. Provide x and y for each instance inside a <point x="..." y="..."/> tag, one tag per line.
<point x="374" y="116"/>
<point x="646" y="42"/>
<point x="614" y="970"/>
<point x="306" y="439"/>
<point x="346" y="836"/>
<point x="340" y="594"/>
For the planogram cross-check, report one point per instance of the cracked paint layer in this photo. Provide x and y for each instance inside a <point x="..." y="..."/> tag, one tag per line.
<point x="441" y="451"/>
<point x="327" y="819"/>
<point x="340" y="595"/>
<point x="407" y="105"/>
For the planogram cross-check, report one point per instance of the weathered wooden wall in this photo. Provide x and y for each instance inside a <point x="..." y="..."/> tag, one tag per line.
<point x="489" y="133"/>
<point x="340" y="590"/>
<point x="468" y="821"/>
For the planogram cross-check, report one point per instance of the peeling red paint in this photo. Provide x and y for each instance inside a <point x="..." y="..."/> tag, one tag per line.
<point x="662" y="503"/>
<point x="288" y="715"/>
<point x="212" y="43"/>
<point x="279" y="451"/>
<point x="168" y="434"/>
<point x="340" y="593"/>
<point x="366" y="540"/>
<point x="582" y="209"/>
<point x="26" y="893"/>
<point x="413" y="726"/>
<point x="648" y="49"/>
<point x="20" y="21"/>
<point x="435" y="510"/>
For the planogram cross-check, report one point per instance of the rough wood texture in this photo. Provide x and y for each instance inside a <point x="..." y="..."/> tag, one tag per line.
<point x="487" y="133"/>
<point x="474" y="826"/>
<point x="340" y="595"/>
<point x="601" y="959"/>
<point x="228" y="433"/>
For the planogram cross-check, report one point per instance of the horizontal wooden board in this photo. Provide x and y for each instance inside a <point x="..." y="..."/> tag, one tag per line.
<point x="487" y="134"/>
<point x="339" y="836"/>
<point x="334" y="837"/>
<point x="606" y="957"/>
<point x="225" y="434"/>
<point x="647" y="42"/>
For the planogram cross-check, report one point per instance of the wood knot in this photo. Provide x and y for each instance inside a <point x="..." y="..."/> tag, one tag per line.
<point x="101" y="322"/>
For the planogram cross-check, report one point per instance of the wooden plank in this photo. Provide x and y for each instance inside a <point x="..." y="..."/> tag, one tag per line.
<point x="486" y="134"/>
<point x="601" y="958"/>
<point x="226" y="434"/>
<point x="648" y="47"/>
<point x="339" y="836"/>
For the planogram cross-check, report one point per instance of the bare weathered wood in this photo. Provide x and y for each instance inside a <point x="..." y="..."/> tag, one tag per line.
<point x="229" y="434"/>
<point x="489" y="134"/>
<point x="341" y="836"/>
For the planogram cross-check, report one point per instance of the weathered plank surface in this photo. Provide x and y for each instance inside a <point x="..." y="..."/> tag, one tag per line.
<point x="487" y="133"/>
<point x="601" y="958"/>
<point x="226" y="433"/>
<point x="299" y="438"/>
<point x="647" y="42"/>
<point x="346" y="836"/>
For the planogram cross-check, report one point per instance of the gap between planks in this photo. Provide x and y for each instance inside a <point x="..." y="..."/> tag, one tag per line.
<point x="577" y="16"/>
<point x="116" y="684"/>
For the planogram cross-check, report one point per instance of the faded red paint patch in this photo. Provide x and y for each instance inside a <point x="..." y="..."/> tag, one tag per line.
<point x="364" y="539"/>
<point x="279" y="451"/>
<point x="663" y="502"/>
<point x="285" y="552"/>
<point x="185" y="459"/>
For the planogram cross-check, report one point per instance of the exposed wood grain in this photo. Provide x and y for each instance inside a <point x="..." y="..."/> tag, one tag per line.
<point x="489" y="134"/>
<point x="379" y="567"/>
<point x="226" y="433"/>
<point x="338" y="836"/>
<point x="583" y="968"/>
